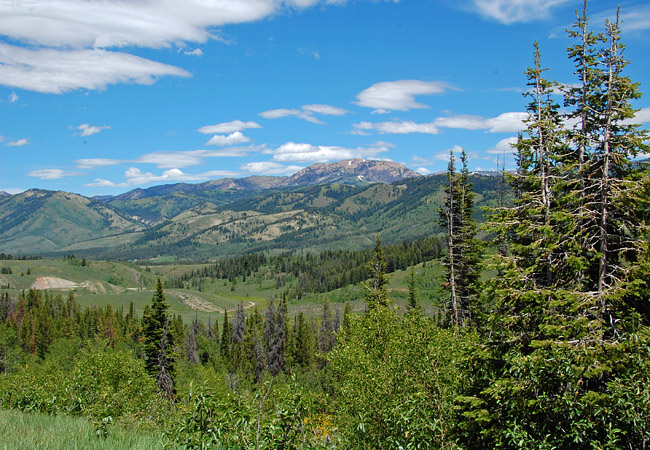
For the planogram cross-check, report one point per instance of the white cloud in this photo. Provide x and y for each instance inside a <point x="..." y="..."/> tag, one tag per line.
<point x="51" y="174"/>
<point x="399" y="95"/>
<point x="512" y="11"/>
<point x="307" y="153"/>
<point x="504" y="146"/>
<point x="504" y="123"/>
<point x="168" y="160"/>
<point x="88" y="130"/>
<point x="74" y="32"/>
<point x="269" y="168"/>
<point x="17" y="143"/>
<point x="196" y="52"/>
<point x="283" y="112"/>
<point x="58" y="71"/>
<point x="92" y="163"/>
<point x="632" y="18"/>
<point x="423" y="171"/>
<point x="231" y="139"/>
<point x="326" y="110"/>
<point x="135" y="176"/>
<point x="398" y="127"/>
<point x="117" y="23"/>
<point x="100" y="182"/>
<point x="13" y="98"/>
<point x="12" y="191"/>
<point x="641" y="116"/>
<point x="228" y="127"/>
<point x="306" y="113"/>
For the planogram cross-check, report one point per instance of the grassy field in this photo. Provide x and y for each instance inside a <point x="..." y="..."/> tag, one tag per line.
<point x="103" y="283"/>
<point x="20" y="430"/>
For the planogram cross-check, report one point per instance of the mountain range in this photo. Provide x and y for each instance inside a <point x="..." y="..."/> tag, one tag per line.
<point x="335" y="205"/>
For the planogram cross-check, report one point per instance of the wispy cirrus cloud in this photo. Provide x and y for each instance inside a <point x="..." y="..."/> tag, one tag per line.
<point x="503" y="123"/>
<point x="51" y="174"/>
<point x="171" y="159"/>
<point x="13" y="98"/>
<point x="53" y="71"/>
<point x="69" y="39"/>
<point x="92" y="163"/>
<point x="398" y="127"/>
<point x="136" y="177"/>
<point x="399" y="95"/>
<point x="89" y="130"/>
<point x="307" y="112"/>
<point x="514" y="11"/>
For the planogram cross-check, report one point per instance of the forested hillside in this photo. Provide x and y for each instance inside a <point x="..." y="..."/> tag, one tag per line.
<point x="208" y="223"/>
<point x="539" y="337"/>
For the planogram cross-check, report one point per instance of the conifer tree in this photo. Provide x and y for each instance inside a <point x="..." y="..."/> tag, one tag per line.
<point x="413" y="295"/>
<point x="158" y="342"/>
<point x="377" y="295"/>
<point x="463" y="249"/>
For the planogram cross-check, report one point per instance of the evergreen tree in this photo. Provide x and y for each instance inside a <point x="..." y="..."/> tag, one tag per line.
<point x="377" y="296"/>
<point x="561" y="319"/>
<point x="463" y="249"/>
<point x="413" y="295"/>
<point x="158" y="342"/>
<point x="225" y="337"/>
<point x="191" y="341"/>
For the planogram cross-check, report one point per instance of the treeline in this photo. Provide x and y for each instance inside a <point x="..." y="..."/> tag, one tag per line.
<point x="9" y="257"/>
<point x="314" y="273"/>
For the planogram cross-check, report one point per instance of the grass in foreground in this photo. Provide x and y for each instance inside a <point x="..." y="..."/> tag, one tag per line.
<point x="20" y="430"/>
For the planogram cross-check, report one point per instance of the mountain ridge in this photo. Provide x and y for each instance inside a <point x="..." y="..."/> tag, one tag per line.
<point x="349" y="170"/>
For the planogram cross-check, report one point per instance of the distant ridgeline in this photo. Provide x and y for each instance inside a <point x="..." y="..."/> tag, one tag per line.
<point x="325" y="206"/>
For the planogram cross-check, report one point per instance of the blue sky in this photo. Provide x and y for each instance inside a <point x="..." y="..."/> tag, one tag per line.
<point x="100" y="97"/>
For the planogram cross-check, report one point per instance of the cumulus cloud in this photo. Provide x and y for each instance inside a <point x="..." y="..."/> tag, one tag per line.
<point x="504" y="146"/>
<point x="306" y="112"/>
<point x="231" y="139"/>
<point x="307" y="153"/>
<point x="399" y="95"/>
<point x="423" y="171"/>
<point x="228" y="127"/>
<point x="54" y="71"/>
<point x="398" y="127"/>
<point x="269" y="168"/>
<point x="17" y="143"/>
<point x="513" y="11"/>
<point x="88" y="130"/>
<point x="51" y="174"/>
